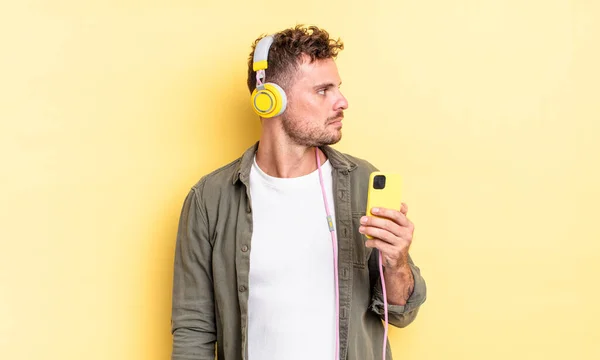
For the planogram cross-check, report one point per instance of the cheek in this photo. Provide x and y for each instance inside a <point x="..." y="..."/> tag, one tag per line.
<point x="306" y="108"/>
<point x="309" y="109"/>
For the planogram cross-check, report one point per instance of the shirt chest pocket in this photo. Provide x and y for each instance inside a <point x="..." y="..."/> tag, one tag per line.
<point x="360" y="253"/>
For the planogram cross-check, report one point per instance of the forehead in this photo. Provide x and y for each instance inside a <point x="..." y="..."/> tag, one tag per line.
<point x="317" y="72"/>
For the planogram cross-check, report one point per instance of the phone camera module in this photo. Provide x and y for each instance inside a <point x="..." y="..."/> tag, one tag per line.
<point x="379" y="182"/>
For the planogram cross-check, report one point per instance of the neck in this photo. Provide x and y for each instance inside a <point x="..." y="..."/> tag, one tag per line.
<point x="280" y="158"/>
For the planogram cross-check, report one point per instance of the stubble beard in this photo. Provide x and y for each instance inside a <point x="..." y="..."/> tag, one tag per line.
<point x="301" y="135"/>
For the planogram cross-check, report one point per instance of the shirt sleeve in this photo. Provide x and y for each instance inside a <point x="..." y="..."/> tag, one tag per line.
<point x="398" y="315"/>
<point x="193" y="311"/>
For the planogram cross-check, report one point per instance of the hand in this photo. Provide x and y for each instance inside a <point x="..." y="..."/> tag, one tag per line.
<point x="392" y="234"/>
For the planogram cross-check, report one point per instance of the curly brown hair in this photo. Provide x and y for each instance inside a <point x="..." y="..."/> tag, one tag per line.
<point x="287" y="48"/>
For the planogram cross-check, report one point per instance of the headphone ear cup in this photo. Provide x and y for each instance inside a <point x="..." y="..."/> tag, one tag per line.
<point x="281" y="98"/>
<point x="270" y="101"/>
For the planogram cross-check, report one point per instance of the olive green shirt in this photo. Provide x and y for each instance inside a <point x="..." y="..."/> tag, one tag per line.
<point x="212" y="263"/>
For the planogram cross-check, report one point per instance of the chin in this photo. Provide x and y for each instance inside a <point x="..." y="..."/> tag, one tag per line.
<point x="334" y="139"/>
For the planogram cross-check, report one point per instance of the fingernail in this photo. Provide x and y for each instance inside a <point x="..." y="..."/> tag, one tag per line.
<point x="363" y="220"/>
<point x="361" y="229"/>
<point x="375" y="210"/>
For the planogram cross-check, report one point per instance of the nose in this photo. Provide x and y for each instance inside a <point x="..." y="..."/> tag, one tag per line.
<point x="341" y="103"/>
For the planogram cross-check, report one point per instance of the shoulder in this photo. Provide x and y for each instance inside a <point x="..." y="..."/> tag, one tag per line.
<point x="226" y="177"/>
<point x="362" y="164"/>
<point x="358" y="166"/>
<point x="217" y="180"/>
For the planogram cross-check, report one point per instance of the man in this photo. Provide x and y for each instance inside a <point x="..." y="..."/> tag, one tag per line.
<point x="255" y="263"/>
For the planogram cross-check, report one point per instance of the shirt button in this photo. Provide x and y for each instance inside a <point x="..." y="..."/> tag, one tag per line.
<point x="242" y="288"/>
<point x="244" y="248"/>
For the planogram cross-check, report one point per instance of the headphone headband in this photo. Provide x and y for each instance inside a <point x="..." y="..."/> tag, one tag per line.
<point x="261" y="53"/>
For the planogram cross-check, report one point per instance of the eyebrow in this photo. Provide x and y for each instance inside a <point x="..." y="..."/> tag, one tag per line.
<point x="326" y="85"/>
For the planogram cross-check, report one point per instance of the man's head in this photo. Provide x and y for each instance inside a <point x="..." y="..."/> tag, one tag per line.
<point x="301" y="61"/>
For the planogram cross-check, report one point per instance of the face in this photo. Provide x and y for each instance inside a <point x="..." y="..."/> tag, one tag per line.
<point x="315" y="105"/>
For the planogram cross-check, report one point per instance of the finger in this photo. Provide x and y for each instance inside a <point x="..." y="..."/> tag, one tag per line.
<point x="403" y="240"/>
<point x="380" y="234"/>
<point x="404" y="209"/>
<point x="380" y="245"/>
<point x="394" y="215"/>
<point x="382" y="223"/>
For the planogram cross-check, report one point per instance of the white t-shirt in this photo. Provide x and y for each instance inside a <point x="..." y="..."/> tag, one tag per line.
<point x="291" y="304"/>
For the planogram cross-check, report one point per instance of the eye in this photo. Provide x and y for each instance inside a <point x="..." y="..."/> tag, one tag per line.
<point x="321" y="91"/>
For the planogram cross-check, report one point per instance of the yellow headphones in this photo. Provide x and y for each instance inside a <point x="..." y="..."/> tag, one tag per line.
<point x="268" y="99"/>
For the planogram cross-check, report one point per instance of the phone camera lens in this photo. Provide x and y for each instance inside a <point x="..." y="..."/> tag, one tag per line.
<point x="379" y="182"/>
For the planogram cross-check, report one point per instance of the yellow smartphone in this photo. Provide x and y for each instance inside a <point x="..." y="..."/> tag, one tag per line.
<point x="385" y="191"/>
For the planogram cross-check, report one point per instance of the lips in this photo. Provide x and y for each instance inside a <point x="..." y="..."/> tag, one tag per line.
<point x="337" y="119"/>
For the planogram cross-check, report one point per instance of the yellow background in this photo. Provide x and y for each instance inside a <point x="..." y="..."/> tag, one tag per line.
<point x="111" y="110"/>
